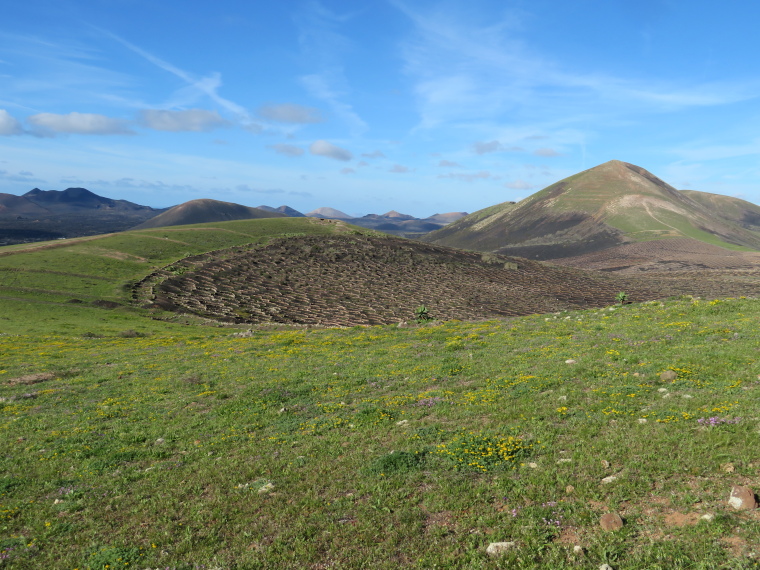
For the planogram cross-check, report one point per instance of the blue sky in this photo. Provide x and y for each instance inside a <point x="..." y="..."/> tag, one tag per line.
<point x="423" y="107"/>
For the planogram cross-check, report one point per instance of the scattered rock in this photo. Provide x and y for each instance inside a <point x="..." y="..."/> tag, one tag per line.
<point x="609" y="479"/>
<point x="668" y="376"/>
<point x="605" y="464"/>
<point x="266" y="488"/>
<point x="532" y="465"/>
<point x="605" y="567"/>
<point x="282" y="410"/>
<point x="578" y="550"/>
<point x="708" y="517"/>
<point x="571" y="361"/>
<point x="662" y="390"/>
<point x="687" y="396"/>
<point x="403" y="423"/>
<point x="728" y="467"/>
<point x="564" y="460"/>
<point x="562" y="398"/>
<point x="569" y="490"/>
<point x="642" y="420"/>
<point x="160" y="441"/>
<point x="497" y="548"/>
<point x="611" y="522"/>
<point x="742" y="498"/>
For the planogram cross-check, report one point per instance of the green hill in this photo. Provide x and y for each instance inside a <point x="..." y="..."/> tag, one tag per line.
<point x="603" y="207"/>
<point x="206" y="211"/>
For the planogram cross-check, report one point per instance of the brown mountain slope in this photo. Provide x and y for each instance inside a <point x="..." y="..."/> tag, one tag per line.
<point x="606" y="206"/>
<point x="204" y="211"/>
<point x="735" y="210"/>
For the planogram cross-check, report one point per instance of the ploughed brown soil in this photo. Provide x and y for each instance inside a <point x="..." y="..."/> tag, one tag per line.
<point x="665" y="255"/>
<point x="353" y="280"/>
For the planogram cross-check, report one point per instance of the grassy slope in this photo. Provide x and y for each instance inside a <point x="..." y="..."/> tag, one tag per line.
<point x="159" y="450"/>
<point x="42" y="284"/>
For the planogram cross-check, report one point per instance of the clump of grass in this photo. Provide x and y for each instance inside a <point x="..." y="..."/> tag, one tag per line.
<point x="397" y="462"/>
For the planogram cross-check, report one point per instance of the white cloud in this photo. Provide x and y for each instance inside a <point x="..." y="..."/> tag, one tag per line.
<point x="291" y="113"/>
<point x="469" y="177"/>
<point x="546" y="152"/>
<point x="399" y="169"/>
<point x="287" y="149"/>
<point x="80" y="123"/>
<point x="196" y="120"/>
<point x="519" y="185"/>
<point x="374" y="154"/>
<point x="494" y="146"/>
<point x="9" y="125"/>
<point x="449" y="164"/>
<point x="486" y="147"/>
<point x="348" y="171"/>
<point x="324" y="148"/>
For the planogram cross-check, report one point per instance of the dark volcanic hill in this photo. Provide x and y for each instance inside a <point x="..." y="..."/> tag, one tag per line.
<point x="204" y="211"/>
<point x="77" y="200"/>
<point x="74" y="212"/>
<point x="607" y="206"/>
<point x="287" y="210"/>
<point x="12" y="205"/>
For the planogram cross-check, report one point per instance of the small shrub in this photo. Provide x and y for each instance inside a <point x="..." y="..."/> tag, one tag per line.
<point x="421" y="314"/>
<point x="622" y="297"/>
<point x="482" y="452"/>
<point x="130" y="333"/>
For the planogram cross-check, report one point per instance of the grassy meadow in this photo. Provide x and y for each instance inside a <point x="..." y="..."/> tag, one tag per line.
<point x="127" y="442"/>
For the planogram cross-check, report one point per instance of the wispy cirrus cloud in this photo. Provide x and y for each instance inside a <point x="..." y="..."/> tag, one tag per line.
<point x="195" y="86"/>
<point x="467" y="71"/>
<point x="323" y="46"/>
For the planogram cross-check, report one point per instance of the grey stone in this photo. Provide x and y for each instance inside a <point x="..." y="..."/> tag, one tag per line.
<point x="611" y="522"/>
<point x="668" y="375"/>
<point x="497" y="548"/>
<point x="742" y="498"/>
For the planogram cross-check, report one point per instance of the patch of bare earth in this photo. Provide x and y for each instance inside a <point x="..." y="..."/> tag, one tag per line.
<point x="30" y="379"/>
<point x="677" y="254"/>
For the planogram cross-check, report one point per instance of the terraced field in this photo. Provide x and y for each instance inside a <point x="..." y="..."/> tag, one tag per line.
<point x="365" y="280"/>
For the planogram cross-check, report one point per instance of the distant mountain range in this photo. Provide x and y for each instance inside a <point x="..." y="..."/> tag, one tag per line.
<point x="74" y="212"/>
<point x="53" y="214"/>
<point x="613" y="205"/>
<point x="392" y="222"/>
